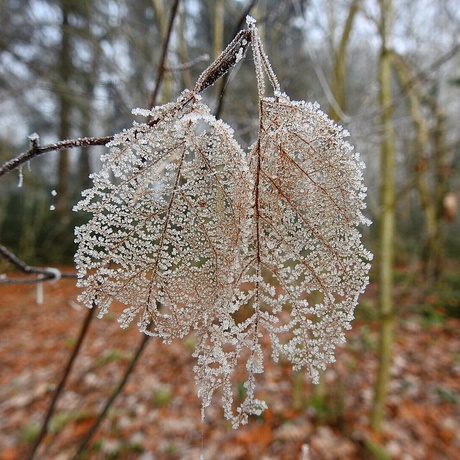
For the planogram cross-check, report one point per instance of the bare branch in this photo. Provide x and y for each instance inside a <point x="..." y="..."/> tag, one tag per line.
<point x="416" y="79"/>
<point x="228" y="58"/>
<point x="100" y="418"/>
<point x="223" y="85"/>
<point x="45" y="273"/>
<point x="234" y="52"/>
<point x="62" y="382"/>
<point x="35" y="150"/>
<point x="190" y="64"/>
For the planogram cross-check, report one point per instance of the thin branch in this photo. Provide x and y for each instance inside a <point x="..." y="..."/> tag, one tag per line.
<point x="267" y="18"/>
<point x="326" y="87"/>
<point x="62" y="382"/>
<point x="45" y="273"/>
<point x="416" y="79"/>
<point x="108" y="404"/>
<point x="35" y="150"/>
<point x="229" y="57"/>
<point x="190" y="64"/>
<point x="219" y="68"/>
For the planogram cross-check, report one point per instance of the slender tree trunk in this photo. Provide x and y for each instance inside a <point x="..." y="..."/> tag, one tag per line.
<point x="65" y="73"/>
<point x="218" y="40"/>
<point x="443" y="171"/>
<point x="340" y="64"/>
<point x="386" y="222"/>
<point x="165" y="27"/>
<point x="86" y="111"/>
<point x="84" y="167"/>
<point x="432" y="168"/>
<point x="337" y="84"/>
<point x="183" y="49"/>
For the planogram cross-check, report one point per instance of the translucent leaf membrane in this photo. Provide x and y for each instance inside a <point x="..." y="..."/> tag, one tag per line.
<point x="167" y="208"/>
<point x="302" y="262"/>
<point x="308" y="205"/>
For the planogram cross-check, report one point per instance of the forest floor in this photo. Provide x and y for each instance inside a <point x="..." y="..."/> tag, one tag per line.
<point x="158" y="413"/>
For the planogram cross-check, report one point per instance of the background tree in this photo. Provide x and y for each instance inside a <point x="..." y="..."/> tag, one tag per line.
<point x="386" y="217"/>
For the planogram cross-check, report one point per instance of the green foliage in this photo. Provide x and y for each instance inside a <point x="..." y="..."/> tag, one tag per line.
<point x="171" y="450"/>
<point x="443" y="299"/>
<point x="363" y="342"/>
<point x="447" y="395"/>
<point x="366" y="310"/>
<point x="61" y="419"/>
<point x="328" y="408"/>
<point x="108" y="357"/>
<point x="115" y="448"/>
<point x="162" y="397"/>
<point x="431" y="315"/>
<point x="70" y="342"/>
<point x="34" y="233"/>
<point x="29" y="432"/>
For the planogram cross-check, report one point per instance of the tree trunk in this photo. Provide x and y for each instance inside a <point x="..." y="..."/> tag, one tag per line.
<point x="337" y="84"/>
<point x="218" y="40"/>
<point x="443" y="171"/>
<point x="432" y="167"/>
<point x="86" y="111"/>
<point x="183" y="50"/>
<point x="386" y="221"/>
<point x="65" y="72"/>
<point x="339" y="65"/>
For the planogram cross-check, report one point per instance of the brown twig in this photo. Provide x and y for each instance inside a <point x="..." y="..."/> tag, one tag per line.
<point x="35" y="150"/>
<point x="188" y="65"/>
<point x="233" y="53"/>
<point x="62" y="382"/>
<point x="214" y="72"/>
<point x="89" y="434"/>
<point x="219" y="68"/>
<point x="45" y="273"/>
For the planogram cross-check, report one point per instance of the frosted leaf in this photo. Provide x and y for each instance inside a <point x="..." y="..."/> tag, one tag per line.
<point x="194" y="235"/>
<point x="166" y="218"/>
<point x="304" y="265"/>
<point x="302" y="262"/>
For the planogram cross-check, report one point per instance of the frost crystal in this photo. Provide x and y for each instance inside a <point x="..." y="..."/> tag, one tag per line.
<point x="195" y="236"/>
<point x="20" y="177"/>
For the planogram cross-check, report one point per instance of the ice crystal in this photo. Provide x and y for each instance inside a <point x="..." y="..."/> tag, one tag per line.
<point x="196" y="236"/>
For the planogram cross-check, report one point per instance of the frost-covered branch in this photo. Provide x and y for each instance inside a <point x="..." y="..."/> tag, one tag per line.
<point x="44" y="273"/>
<point x="229" y="58"/>
<point x="35" y="150"/>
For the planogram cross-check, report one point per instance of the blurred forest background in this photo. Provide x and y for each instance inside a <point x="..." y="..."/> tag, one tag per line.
<point x="388" y="71"/>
